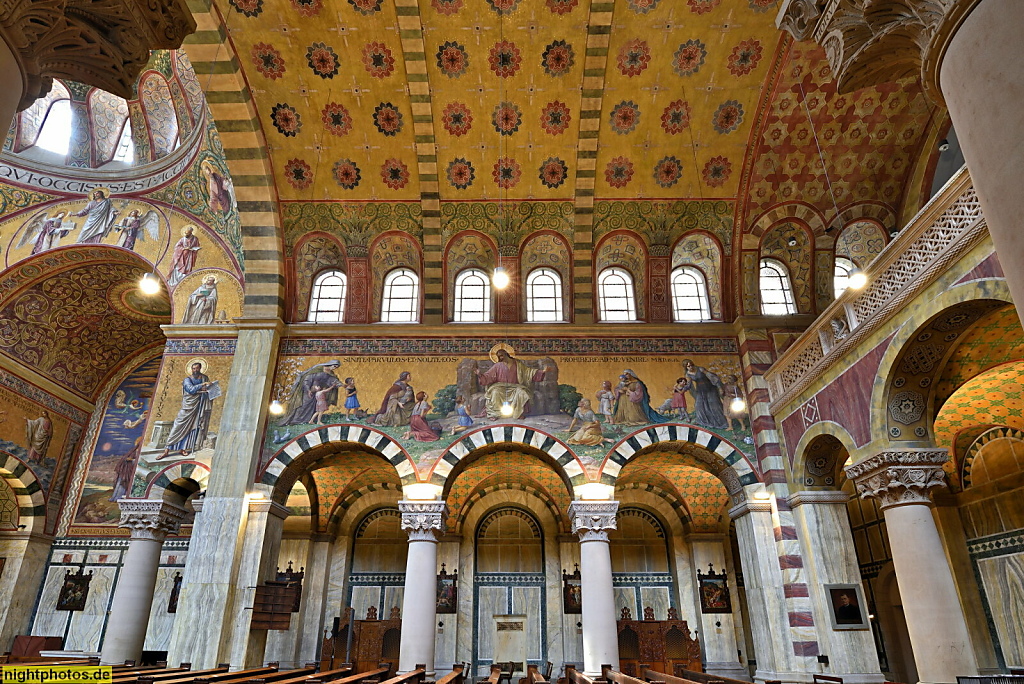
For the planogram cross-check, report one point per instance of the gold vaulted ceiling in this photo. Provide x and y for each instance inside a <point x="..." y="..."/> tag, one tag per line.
<point x="697" y="99"/>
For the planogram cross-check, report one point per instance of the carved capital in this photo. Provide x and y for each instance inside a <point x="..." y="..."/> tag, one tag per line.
<point x="897" y="478"/>
<point x="423" y="520"/>
<point x="592" y="520"/>
<point x="149" y="519"/>
<point x="868" y="42"/>
<point x="102" y="43"/>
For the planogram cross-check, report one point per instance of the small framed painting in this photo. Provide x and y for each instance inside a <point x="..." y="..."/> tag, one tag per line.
<point x="846" y="606"/>
<point x="74" y="591"/>
<point x="714" y="591"/>
<point x="572" y="592"/>
<point x="172" y="600"/>
<point x="447" y="591"/>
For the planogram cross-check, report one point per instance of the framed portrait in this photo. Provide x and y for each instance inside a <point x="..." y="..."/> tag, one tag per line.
<point x="74" y="591"/>
<point x="713" y="588"/>
<point x="172" y="600"/>
<point x="846" y="606"/>
<point x="572" y="592"/>
<point x="447" y="591"/>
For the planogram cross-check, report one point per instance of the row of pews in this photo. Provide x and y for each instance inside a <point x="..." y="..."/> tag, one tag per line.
<point x="271" y="673"/>
<point x="648" y="676"/>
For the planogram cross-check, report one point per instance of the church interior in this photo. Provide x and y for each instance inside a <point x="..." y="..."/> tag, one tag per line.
<point x="562" y="340"/>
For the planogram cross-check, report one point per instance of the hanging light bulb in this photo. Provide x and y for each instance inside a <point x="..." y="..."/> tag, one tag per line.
<point x="500" y="278"/>
<point x="507" y="410"/>
<point x="276" y="408"/>
<point x="738" y="405"/>
<point x="858" y="279"/>
<point x="149" y="284"/>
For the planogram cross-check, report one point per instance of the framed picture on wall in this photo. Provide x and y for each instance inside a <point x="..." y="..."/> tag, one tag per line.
<point x="846" y="606"/>
<point x="447" y="591"/>
<point x="172" y="600"/>
<point x="572" y="592"/>
<point x="74" y="591"/>
<point x="713" y="588"/>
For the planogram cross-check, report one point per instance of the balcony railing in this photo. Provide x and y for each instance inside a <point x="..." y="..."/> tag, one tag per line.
<point x="948" y="227"/>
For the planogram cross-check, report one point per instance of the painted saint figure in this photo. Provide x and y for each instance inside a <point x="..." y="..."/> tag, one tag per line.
<point x="184" y="259"/>
<point x="396" y="408"/>
<point x="633" y="402"/>
<point x="705" y="387"/>
<point x="202" y="303"/>
<point x="50" y="230"/>
<point x="589" y="432"/>
<point x="124" y="472"/>
<point x="39" y="433"/>
<point x="188" y="432"/>
<point x="302" y="405"/>
<point x="134" y="227"/>
<point x="218" y="188"/>
<point x="508" y="381"/>
<point x="100" y="213"/>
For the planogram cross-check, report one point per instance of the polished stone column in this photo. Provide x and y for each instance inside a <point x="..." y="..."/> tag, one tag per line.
<point x="424" y="522"/>
<point x="26" y="554"/>
<point x="717" y="630"/>
<point x="830" y="557"/>
<point x="901" y="481"/>
<point x="149" y="523"/>
<point x="592" y="520"/>
<point x="314" y="595"/>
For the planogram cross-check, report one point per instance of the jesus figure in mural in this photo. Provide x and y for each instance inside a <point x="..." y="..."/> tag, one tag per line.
<point x="508" y="380"/>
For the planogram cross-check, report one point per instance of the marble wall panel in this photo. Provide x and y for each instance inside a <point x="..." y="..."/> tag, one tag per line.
<point x="48" y="620"/>
<point x="363" y="598"/>
<point x="527" y="601"/>
<point x="86" y="629"/>
<point x="491" y="601"/>
<point x="392" y="598"/>
<point x="1003" y="581"/>
<point x="656" y="598"/>
<point x="625" y="597"/>
<point x="158" y="631"/>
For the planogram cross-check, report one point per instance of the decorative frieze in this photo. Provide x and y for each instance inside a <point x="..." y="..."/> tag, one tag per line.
<point x="102" y="43"/>
<point x="901" y="477"/>
<point x="148" y="519"/>
<point x="592" y="520"/>
<point x="423" y="520"/>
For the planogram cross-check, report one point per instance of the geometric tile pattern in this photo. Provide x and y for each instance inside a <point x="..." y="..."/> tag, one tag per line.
<point x="997" y="338"/>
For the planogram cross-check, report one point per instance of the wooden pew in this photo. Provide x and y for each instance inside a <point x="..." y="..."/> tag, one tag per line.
<point x="456" y="676"/>
<point x="574" y="676"/>
<point x="336" y="676"/>
<point x="495" y="674"/>
<point x="149" y="678"/>
<point x="190" y="678"/>
<point x="533" y="676"/>
<point x="690" y="677"/>
<point x="414" y="677"/>
<point x="275" y="676"/>
<point x="618" y="678"/>
<point x="128" y="675"/>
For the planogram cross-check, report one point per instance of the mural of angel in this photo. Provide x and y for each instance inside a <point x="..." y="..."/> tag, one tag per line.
<point x="218" y="187"/>
<point x="202" y="303"/>
<point x="185" y="253"/>
<point x="39" y="432"/>
<point x="45" y="232"/>
<point x="100" y="214"/>
<point x="302" y="404"/>
<point x="134" y="227"/>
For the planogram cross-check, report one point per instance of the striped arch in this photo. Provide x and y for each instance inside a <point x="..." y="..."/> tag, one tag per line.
<point x="737" y="461"/>
<point x="860" y="211"/>
<point x="27" y="491"/>
<point x="228" y="96"/>
<point x="457" y="518"/>
<point x="564" y="457"/>
<point x="193" y="470"/>
<point x="785" y="212"/>
<point x="354" y="434"/>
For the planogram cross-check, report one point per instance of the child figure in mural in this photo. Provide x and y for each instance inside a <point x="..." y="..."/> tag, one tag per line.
<point x="606" y="402"/>
<point x="465" y="421"/>
<point x="419" y="429"/>
<point x="320" y="395"/>
<point x="679" y="399"/>
<point x="351" y="398"/>
<point x="589" y="433"/>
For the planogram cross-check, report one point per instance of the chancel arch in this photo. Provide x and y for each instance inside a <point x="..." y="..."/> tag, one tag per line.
<point x="26" y="490"/>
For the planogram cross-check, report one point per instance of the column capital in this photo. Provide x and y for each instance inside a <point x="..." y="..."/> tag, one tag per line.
<point x="900" y="477"/>
<point x="592" y="520"/>
<point x="868" y="42"/>
<point x="423" y="520"/>
<point x="102" y="44"/>
<point x="149" y="519"/>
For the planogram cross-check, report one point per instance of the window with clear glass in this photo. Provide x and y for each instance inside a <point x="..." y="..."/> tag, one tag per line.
<point x="327" y="303"/>
<point x="125" y="152"/>
<point x="616" y="297"/>
<point x="543" y="295"/>
<point x="776" y="291"/>
<point x="841" y="279"/>
<point x="689" y="296"/>
<point x="472" y="297"/>
<point x="55" y="135"/>
<point x="401" y="297"/>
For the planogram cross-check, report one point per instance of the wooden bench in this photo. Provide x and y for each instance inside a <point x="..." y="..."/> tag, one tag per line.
<point x="495" y="674"/>
<point x="191" y="678"/>
<point x="270" y="677"/>
<point x="456" y="676"/>
<point x="413" y="677"/>
<point x="619" y="678"/>
<point x="336" y="675"/>
<point x="533" y="675"/>
<point x="574" y="676"/>
<point x="830" y="679"/>
<point x="149" y="678"/>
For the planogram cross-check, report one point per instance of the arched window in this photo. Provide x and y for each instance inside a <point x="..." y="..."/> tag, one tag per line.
<point x="55" y="135"/>
<point x="509" y="540"/>
<point x="400" y="302"/>
<point x="327" y="303"/>
<point x="543" y="295"/>
<point x="776" y="291"/>
<point x="689" y="296"/>
<point x="841" y="279"/>
<point x="638" y="544"/>
<point x="472" y="297"/>
<point x="125" y="152"/>
<point x="616" y="298"/>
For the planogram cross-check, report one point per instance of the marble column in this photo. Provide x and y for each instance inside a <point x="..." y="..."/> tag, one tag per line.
<point x="717" y="630"/>
<point x="830" y="557"/>
<point x="764" y="587"/>
<point x="314" y="590"/>
<point x="424" y="522"/>
<point x="901" y="481"/>
<point x="209" y="604"/>
<point x="591" y="521"/>
<point x="149" y="523"/>
<point x="26" y="554"/>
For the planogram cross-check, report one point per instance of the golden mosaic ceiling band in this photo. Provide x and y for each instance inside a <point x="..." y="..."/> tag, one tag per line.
<point x="868" y="42"/>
